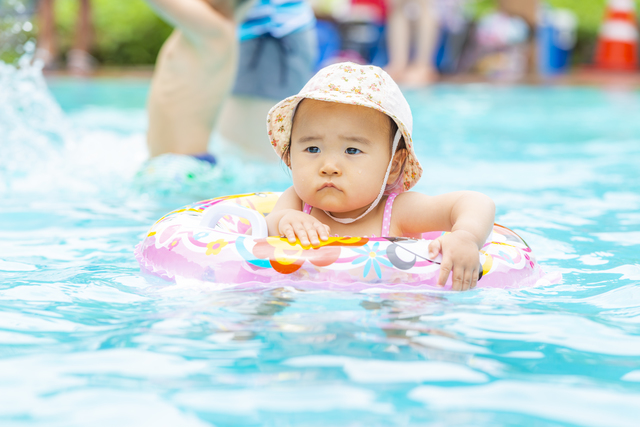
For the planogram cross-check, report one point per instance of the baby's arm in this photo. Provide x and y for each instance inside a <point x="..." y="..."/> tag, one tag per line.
<point x="288" y="220"/>
<point x="467" y="214"/>
<point x="196" y="18"/>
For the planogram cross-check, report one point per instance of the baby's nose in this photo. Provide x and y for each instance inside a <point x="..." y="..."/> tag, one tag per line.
<point x="330" y="168"/>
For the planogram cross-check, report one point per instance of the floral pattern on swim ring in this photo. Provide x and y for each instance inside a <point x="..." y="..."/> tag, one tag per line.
<point x="371" y="257"/>
<point x="286" y="258"/>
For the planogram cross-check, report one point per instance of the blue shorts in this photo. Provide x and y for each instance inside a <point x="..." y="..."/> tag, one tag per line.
<point x="275" y="68"/>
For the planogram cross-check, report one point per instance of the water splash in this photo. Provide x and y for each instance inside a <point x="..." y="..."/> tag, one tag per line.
<point x="33" y="129"/>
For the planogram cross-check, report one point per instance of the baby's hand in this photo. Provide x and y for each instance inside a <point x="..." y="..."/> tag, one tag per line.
<point x="304" y="226"/>
<point x="460" y="254"/>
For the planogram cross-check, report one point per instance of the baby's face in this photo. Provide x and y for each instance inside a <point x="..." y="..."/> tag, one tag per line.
<point x="339" y="155"/>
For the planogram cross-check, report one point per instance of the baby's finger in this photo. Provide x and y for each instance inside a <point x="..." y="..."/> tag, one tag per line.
<point x="312" y="233"/>
<point x="435" y="247"/>
<point x="288" y="232"/>
<point x="475" y="277"/>
<point x="322" y="231"/>
<point x="301" y="232"/>
<point x="467" y="279"/>
<point x="457" y="279"/>
<point x="445" y="269"/>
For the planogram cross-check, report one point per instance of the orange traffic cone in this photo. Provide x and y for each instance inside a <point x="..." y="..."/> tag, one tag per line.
<point x="617" y="47"/>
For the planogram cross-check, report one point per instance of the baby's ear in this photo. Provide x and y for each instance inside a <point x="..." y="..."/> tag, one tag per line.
<point x="286" y="158"/>
<point x="398" y="160"/>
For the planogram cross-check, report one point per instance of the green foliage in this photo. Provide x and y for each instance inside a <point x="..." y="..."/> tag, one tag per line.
<point x="15" y="29"/>
<point x="127" y="32"/>
<point x="589" y="12"/>
<point x="481" y="7"/>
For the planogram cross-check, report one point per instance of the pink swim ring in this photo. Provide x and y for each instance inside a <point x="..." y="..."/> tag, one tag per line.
<point x="223" y="241"/>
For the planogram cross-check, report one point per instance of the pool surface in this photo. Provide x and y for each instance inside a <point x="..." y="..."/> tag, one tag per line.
<point x="86" y="340"/>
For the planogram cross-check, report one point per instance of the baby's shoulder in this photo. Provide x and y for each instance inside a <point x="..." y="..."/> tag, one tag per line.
<point x="411" y="197"/>
<point x="412" y="213"/>
<point x="410" y="203"/>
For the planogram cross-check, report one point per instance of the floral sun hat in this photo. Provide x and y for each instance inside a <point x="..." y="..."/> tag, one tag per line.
<point x="349" y="83"/>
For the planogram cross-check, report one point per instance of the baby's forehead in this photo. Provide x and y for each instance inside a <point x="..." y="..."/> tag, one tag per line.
<point x="310" y="106"/>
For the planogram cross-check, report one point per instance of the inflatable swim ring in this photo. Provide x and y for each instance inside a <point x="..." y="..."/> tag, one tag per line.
<point x="224" y="241"/>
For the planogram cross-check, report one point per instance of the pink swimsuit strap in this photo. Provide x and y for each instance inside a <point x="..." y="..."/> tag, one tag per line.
<point x="386" y="218"/>
<point x="307" y="209"/>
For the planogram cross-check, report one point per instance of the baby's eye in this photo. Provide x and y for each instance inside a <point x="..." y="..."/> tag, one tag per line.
<point x="352" y="150"/>
<point x="313" y="150"/>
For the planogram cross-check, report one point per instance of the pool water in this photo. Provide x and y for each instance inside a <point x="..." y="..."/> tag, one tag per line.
<point x="86" y="340"/>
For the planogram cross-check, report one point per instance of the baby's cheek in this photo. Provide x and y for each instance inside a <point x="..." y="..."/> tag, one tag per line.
<point x="298" y="179"/>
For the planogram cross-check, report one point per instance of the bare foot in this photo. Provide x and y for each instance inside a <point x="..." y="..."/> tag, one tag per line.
<point x="47" y="59"/>
<point x="419" y="76"/>
<point x="397" y="73"/>
<point x="80" y="63"/>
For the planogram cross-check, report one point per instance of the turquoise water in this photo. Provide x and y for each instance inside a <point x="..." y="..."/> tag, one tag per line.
<point x="86" y="340"/>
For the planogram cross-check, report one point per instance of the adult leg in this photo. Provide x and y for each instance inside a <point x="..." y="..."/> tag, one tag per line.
<point x="47" y="46"/>
<point x="422" y="70"/>
<point x="398" y="40"/>
<point x="243" y="123"/>
<point x="79" y="60"/>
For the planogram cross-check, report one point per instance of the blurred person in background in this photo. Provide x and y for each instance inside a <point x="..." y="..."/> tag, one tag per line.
<point x="416" y="31"/>
<point x="528" y="11"/>
<point x="79" y="60"/>
<point x="350" y="30"/>
<point x="412" y="27"/>
<point x="503" y="43"/>
<point x="278" y="53"/>
<point x="362" y="28"/>
<point x="193" y="75"/>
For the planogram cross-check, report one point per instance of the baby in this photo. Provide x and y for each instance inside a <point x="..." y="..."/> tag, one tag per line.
<point x="347" y="139"/>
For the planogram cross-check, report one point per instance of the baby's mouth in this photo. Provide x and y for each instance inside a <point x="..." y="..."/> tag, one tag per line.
<point x="328" y="185"/>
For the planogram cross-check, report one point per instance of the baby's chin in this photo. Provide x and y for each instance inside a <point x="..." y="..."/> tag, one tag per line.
<point x="344" y="211"/>
<point x="337" y="203"/>
<point x="334" y="206"/>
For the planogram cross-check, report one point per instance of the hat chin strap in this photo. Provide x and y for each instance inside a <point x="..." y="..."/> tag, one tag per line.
<point x="396" y="140"/>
